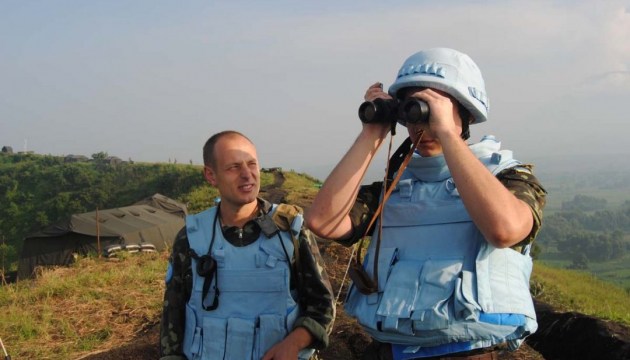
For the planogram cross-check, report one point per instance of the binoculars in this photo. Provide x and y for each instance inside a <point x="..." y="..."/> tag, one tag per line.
<point x="409" y="111"/>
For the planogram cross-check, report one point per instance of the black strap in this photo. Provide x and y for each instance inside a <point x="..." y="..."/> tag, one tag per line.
<point x="207" y="268"/>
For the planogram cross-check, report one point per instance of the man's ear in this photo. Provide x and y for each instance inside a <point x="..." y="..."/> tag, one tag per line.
<point x="210" y="175"/>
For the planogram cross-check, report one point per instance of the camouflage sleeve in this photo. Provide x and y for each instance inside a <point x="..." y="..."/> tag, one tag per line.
<point x="525" y="186"/>
<point x="315" y="292"/>
<point x="178" y="288"/>
<point x="362" y="211"/>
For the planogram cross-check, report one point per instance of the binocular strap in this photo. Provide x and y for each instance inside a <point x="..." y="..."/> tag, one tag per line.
<point x="357" y="273"/>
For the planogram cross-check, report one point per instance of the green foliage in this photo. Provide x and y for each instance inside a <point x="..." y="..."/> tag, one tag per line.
<point x="584" y="203"/>
<point x="7" y="252"/>
<point x="266" y="179"/>
<point x="200" y="198"/>
<point x="40" y="190"/>
<point x="100" y="156"/>
<point x="580" y="262"/>
<point x="594" y="246"/>
<point x="598" y="235"/>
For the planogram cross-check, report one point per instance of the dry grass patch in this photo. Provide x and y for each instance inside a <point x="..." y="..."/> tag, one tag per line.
<point x="95" y="304"/>
<point x="300" y="188"/>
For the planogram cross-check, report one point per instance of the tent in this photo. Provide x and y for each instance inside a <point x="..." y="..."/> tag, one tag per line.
<point x="154" y="221"/>
<point x="166" y="204"/>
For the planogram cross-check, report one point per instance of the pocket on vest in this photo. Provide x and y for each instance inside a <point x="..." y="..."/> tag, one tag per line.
<point x="271" y="331"/>
<point x="503" y="281"/>
<point x="363" y="307"/>
<point x="432" y="308"/>
<point x="193" y="339"/>
<point x="465" y="304"/>
<point x="240" y="339"/>
<point x="214" y="331"/>
<point x="396" y="305"/>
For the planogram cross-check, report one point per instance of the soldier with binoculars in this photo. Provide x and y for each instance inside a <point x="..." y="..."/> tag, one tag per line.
<point x="446" y="274"/>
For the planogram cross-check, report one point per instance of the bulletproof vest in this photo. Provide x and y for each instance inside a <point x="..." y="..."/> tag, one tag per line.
<point x="442" y="287"/>
<point x="255" y="306"/>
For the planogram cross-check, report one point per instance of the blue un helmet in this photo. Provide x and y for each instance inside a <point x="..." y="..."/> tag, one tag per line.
<point x="450" y="71"/>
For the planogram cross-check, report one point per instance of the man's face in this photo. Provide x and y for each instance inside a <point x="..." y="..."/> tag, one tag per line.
<point x="236" y="174"/>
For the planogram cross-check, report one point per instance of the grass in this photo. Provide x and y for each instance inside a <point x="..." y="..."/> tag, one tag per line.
<point x="570" y="290"/>
<point x="616" y="272"/>
<point x="299" y="187"/>
<point x="98" y="304"/>
<point x="95" y="304"/>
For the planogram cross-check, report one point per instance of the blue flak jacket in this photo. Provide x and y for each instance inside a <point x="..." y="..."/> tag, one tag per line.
<point x="256" y="308"/>
<point x="442" y="287"/>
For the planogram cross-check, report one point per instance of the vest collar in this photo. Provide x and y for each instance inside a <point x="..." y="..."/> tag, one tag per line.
<point x="434" y="168"/>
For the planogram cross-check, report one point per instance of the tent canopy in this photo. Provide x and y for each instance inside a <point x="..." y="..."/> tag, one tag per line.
<point x="155" y="220"/>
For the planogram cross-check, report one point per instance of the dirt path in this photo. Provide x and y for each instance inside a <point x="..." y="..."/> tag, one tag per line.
<point x="274" y="192"/>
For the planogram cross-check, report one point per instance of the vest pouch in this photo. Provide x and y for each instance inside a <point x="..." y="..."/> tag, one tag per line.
<point x="270" y="331"/>
<point x="192" y="336"/>
<point x="435" y="299"/>
<point x="195" y="347"/>
<point x="363" y="306"/>
<point x="386" y="259"/>
<point x="394" y="310"/>
<point x="249" y="293"/>
<point x="503" y="281"/>
<point x="239" y="344"/>
<point x="214" y="330"/>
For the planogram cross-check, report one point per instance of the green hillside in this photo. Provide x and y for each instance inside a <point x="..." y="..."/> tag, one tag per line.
<point x="37" y="190"/>
<point x="95" y="303"/>
<point x="98" y="304"/>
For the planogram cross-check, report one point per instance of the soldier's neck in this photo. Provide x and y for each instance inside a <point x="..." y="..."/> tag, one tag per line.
<point x="238" y="216"/>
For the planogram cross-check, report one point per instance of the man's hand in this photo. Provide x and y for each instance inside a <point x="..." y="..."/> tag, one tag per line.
<point x="375" y="91"/>
<point x="443" y="111"/>
<point x="289" y="348"/>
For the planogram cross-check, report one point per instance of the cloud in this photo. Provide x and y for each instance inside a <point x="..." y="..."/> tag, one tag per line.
<point x="292" y="74"/>
<point x="604" y="83"/>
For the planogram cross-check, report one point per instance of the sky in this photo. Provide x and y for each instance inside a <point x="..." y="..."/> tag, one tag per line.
<point x="151" y="80"/>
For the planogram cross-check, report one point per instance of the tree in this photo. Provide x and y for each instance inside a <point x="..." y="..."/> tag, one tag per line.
<point x="100" y="156"/>
<point x="584" y="203"/>
<point x="7" y="254"/>
<point x="580" y="262"/>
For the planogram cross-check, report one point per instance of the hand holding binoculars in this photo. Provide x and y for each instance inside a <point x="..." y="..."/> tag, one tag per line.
<point x="411" y="110"/>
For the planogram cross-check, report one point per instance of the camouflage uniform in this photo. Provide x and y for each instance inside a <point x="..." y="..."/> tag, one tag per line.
<point x="315" y="292"/>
